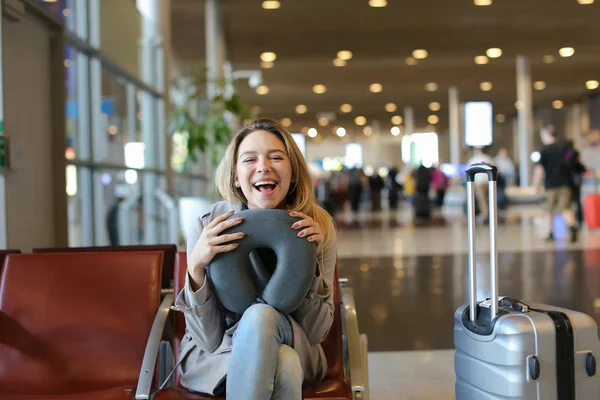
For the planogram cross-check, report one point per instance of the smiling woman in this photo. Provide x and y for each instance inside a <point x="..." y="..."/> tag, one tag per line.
<point x="272" y="353"/>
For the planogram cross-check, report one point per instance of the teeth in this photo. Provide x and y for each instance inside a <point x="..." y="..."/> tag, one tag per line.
<point x="259" y="183"/>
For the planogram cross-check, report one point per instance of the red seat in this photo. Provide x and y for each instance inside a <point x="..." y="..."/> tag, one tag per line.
<point x="333" y="387"/>
<point x="3" y="254"/>
<point x="75" y="325"/>
<point x="168" y="260"/>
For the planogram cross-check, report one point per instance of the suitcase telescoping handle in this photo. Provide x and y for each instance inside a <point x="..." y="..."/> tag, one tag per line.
<point x="492" y="173"/>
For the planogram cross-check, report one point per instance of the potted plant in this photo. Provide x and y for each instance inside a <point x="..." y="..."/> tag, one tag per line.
<point x="208" y="125"/>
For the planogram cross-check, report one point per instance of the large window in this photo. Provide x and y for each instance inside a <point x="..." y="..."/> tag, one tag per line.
<point x="115" y="127"/>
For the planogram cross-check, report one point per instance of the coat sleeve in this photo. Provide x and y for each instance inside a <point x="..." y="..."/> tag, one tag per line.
<point x="315" y="315"/>
<point x="204" y="319"/>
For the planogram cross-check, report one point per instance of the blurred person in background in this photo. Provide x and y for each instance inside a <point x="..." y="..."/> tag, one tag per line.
<point x="506" y="167"/>
<point x="481" y="184"/>
<point x="554" y="174"/>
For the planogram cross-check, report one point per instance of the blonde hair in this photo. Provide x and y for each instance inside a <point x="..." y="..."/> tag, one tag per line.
<point x="301" y="193"/>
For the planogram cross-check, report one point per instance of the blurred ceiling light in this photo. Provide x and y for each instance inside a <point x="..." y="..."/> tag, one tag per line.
<point x="344" y="55"/>
<point x="585" y="2"/>
<point x="548" y="59"/>
<point x="433" y="119"/>
<point x="262" y="90"/>
<point x="339" y="62"/>
<point x="518" y="105"/>
<point x="434" y="106"/>
<point x="482" y="2"/>
<point x="341" y="132"/>
<point x="312" y="132"/>
<point x="485" y="86"/>
<point x="256" y="109"/>
<point x="271" y="4"/>
<point x="301" y="109"/>
<point x="500" y="118"/>
<point x="420" y="54"/>
<point x="268" y="56"/>
<point x="67" y="63"/>
<point x="378" y="3"/>
<point x="558" y="104"/>
<point x="66" y="12"/>
<point x="391" y="107"/>
<point x="481" y="60"/>
<point x="376" y="87"/>
<point x="346" y="108"/>
<point x="113" y="130"/>
<point x="431" y="87"/>
<point x="395" y="131"/>
<point x="319" y="89"/>
<point x="566" y="51"/>
<point x="286" y="122"/>
<point x="368" y="131"/>
<point x="360" y="120"/>
<point x="494" y="52"/>
<point x="539" y="85"/>
<point x="397" y="119"/>
<point x="266" y="64"/>
<point x="323" y="121"/>
<point x="410" y="61"/>
<point x="593" y="84"/>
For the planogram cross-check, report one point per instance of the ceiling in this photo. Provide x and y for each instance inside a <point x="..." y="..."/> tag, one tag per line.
<point x="307" y="34"/>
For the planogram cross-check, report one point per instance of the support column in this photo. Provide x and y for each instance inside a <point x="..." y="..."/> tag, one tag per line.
<point x="525" y="120"/>
<point x="515" y="143"/>
<point x="215" y="63"/>
<point x="3" y="214"/>
<point x="454" y="116"/>
<point x="574" y="123"/>
<point x="150" y="42"/>
<point x="409" y="128"/>
<point x="409" y="120"/>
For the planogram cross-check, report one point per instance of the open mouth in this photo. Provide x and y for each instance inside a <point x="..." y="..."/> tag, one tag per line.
<point x="266" y="186"/>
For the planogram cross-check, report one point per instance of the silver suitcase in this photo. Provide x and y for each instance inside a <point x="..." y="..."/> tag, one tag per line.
<point x="507" y="349"/>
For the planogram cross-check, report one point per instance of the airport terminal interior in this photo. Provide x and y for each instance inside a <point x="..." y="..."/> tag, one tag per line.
<point x="114" y="115"/>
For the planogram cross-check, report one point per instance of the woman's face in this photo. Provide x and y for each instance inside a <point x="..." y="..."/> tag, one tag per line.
<point x="263" y="170"/>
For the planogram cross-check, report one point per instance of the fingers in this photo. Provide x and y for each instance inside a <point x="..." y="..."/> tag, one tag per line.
<point x="303" y="223"/>
<point x="312" y="230"/>
<point x="220" y="219"/>
<point x="299" y="215"/>
<point x="226" y="224"/>
<point x="223" y="249"/>
<point x="317" y="238"/>
<point x="221" y="239"/>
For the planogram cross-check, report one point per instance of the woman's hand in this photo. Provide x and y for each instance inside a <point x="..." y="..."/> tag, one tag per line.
<point x="209" y="244"/>
<point x="312" y="230"/>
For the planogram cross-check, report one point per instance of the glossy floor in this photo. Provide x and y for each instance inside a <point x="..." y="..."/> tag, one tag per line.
<point x="410" y="276"/>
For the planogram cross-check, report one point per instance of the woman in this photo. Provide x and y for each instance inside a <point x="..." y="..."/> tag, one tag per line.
<point x="264" y="354"/>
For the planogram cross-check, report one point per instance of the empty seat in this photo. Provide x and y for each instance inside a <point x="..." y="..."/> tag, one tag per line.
<point x="168" y="261"/>
<point x="75" y="325"/>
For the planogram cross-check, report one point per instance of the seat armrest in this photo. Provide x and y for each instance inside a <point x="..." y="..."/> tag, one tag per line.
<point x="150" y="355"/>
<point x="358" y="377"/>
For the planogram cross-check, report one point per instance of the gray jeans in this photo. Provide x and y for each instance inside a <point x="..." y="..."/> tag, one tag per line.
<point x="263" y="364"/>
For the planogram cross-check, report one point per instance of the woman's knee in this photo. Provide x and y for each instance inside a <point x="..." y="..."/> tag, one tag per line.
<point x="289" y="369"/>
<point x="259" y="316"/>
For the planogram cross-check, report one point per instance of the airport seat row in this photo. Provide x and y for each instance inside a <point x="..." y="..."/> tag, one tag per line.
<point x="97" y="325"/>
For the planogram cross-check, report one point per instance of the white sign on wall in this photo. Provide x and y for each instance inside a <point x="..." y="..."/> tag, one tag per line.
<point x="479" y="121"/>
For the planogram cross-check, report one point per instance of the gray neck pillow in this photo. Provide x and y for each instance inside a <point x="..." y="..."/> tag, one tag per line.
<point x="239" y="278"/>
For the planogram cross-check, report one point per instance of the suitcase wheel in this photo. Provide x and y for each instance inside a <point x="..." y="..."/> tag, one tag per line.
<point x="534" y="367"/>
<point x="590" y="364"/>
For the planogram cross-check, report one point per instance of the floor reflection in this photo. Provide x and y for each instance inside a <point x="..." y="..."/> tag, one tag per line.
<point x="408" y="303"/>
